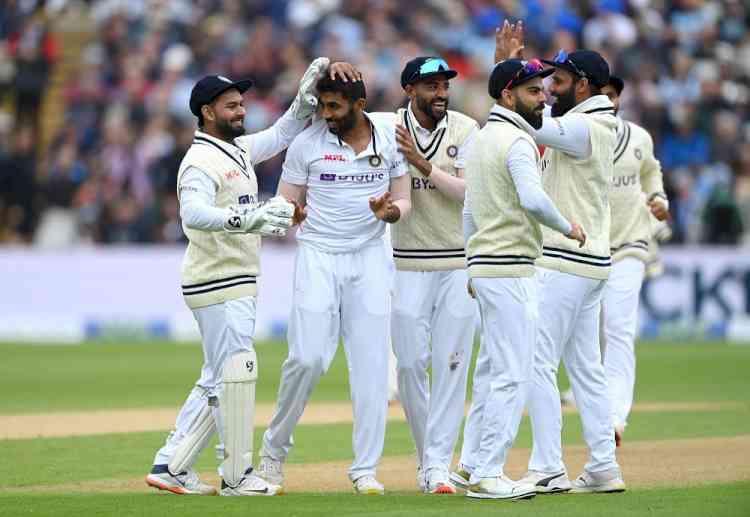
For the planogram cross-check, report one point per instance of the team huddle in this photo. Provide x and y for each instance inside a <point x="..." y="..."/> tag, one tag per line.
<point x="414" y="227"/>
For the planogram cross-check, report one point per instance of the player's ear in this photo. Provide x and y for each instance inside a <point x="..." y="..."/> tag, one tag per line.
<point x="409" y="90"/>
<point x="360" y="104"/>
<point x="208" y="113"/>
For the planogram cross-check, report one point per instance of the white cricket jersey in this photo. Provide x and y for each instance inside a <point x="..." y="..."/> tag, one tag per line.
<point x="340" y="184"/>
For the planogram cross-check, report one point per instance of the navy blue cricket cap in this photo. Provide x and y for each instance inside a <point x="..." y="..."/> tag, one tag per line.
<point x="583" y="63"/>
<point x="423" y="67"/>
<point x="513" y="72"/>
<point x="210" y="87"/>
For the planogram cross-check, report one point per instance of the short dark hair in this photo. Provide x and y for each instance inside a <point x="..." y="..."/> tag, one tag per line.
<point x="593" y="89"/>
<point x="351" y="90"/>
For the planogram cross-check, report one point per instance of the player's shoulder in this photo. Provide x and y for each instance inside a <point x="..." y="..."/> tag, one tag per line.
<point x="310" y="137"/>
<point x="384" y="118"/>
<point x="461" y="120"/>
<point x="638" y="132"/>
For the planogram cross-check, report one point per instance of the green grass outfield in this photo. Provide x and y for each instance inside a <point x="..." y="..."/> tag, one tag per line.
<point x="52" y="378"/>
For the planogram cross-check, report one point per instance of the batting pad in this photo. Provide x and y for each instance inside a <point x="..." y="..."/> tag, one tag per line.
<point x="237" y="408"/>
<point x="195" y="440"/>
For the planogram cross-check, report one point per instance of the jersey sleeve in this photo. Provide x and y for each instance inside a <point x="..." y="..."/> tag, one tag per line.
<point x="295" y="168"/>
<point x="652" y="180"/>
<point x="266" y="144"/>
<point x="465" y="148"/>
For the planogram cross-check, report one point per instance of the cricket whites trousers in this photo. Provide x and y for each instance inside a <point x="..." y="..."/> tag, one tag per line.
<point x="503" y="373"/>
<point x="619" y="326"/>
<point x="569" y="311"/>
<point x="226" y="329"/>
<point x="433" y="323"/>
<point x="336" y="295"/>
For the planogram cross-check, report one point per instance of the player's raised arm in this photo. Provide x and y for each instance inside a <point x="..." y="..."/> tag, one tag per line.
<point x="268" y="143"/>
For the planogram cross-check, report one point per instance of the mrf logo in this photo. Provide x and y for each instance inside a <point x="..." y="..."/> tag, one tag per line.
<point x="232" y="175"/>
<point x="334" y="158"/>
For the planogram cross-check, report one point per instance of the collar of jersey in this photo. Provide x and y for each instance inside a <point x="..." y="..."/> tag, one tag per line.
<point x="620" y="128"/>
<point x="443" y="123"/>
<point x="229" y="146"/>
<point x="372" y="149"/>
<point x="234" y="151"/>
<point x="512" y="117"/>
<point x="596" y="104"/>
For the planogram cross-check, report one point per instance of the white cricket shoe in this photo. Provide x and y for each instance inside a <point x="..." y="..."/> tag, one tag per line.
<point x="438" y="482"/>
<point x="501" y="487"/>
<point x="251" y="485"/>
<point x="421" y="481"/>
<point x="185" y="483"/>
<point x="607" y="481"/>
<point x="368" y="485"/>
<point x="547" y="482"/>
<point x="460" y="477"/>
<point x="271" y="470"/>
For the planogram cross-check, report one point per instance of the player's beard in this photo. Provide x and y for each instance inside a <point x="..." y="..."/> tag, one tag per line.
<point x="428" y="108"/>
<point x="227" y="131"/>
<point x="534" y="115"/>
<point x="343" y="124"/>
<point x="564" y="102"/>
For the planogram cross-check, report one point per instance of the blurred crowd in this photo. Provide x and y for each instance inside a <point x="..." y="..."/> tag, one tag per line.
<point x="108" y="174"/>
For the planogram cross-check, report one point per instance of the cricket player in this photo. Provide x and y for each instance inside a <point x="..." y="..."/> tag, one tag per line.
<point x="348" y="168"/>
<point x="580" y="141"/>
<point x="637" y="191"/>
<point x="224" y="222"/>
<point x="433" y="318"/>
<point x="505" y="205"/>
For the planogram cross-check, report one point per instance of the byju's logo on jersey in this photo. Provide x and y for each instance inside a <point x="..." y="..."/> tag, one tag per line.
<point x="327" y="176"/>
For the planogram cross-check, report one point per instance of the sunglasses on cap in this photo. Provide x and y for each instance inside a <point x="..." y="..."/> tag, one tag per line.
<point x="430" y="66"/>
<point x="562" y="59"/>
<point x="529" y="67"/>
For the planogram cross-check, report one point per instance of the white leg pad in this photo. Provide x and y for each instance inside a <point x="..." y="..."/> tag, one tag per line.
<point x="237" y="408"/>
<point x="194" y="442"/>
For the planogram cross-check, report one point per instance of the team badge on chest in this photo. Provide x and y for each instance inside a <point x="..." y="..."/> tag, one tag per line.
<point x="452" y="151"/>
<point x="375" y="161"/>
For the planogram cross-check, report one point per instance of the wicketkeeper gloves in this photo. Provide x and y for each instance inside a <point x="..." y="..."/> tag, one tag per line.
<point x="306" y="101"/>
<point x="270" y="219"/>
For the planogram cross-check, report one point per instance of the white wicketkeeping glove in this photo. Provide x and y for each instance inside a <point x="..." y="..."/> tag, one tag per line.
<point x="306" y="101"/>
<point x="270" y="219"/>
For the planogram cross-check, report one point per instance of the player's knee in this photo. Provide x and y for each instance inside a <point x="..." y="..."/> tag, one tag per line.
<point x="308" y="365"/>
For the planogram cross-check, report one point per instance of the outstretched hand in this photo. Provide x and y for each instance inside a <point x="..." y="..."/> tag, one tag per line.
<point x="509" y="41"/>
<point x="384" y="209"/>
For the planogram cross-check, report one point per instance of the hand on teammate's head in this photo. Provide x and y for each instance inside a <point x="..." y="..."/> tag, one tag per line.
<point x="344" y="71"/>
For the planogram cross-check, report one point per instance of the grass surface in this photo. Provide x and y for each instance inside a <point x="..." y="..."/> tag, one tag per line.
<point x="714" y="500"/>
<point x="51" y="461"/>
<point x="103" y="376"/>
<point x="106" y="376"/>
